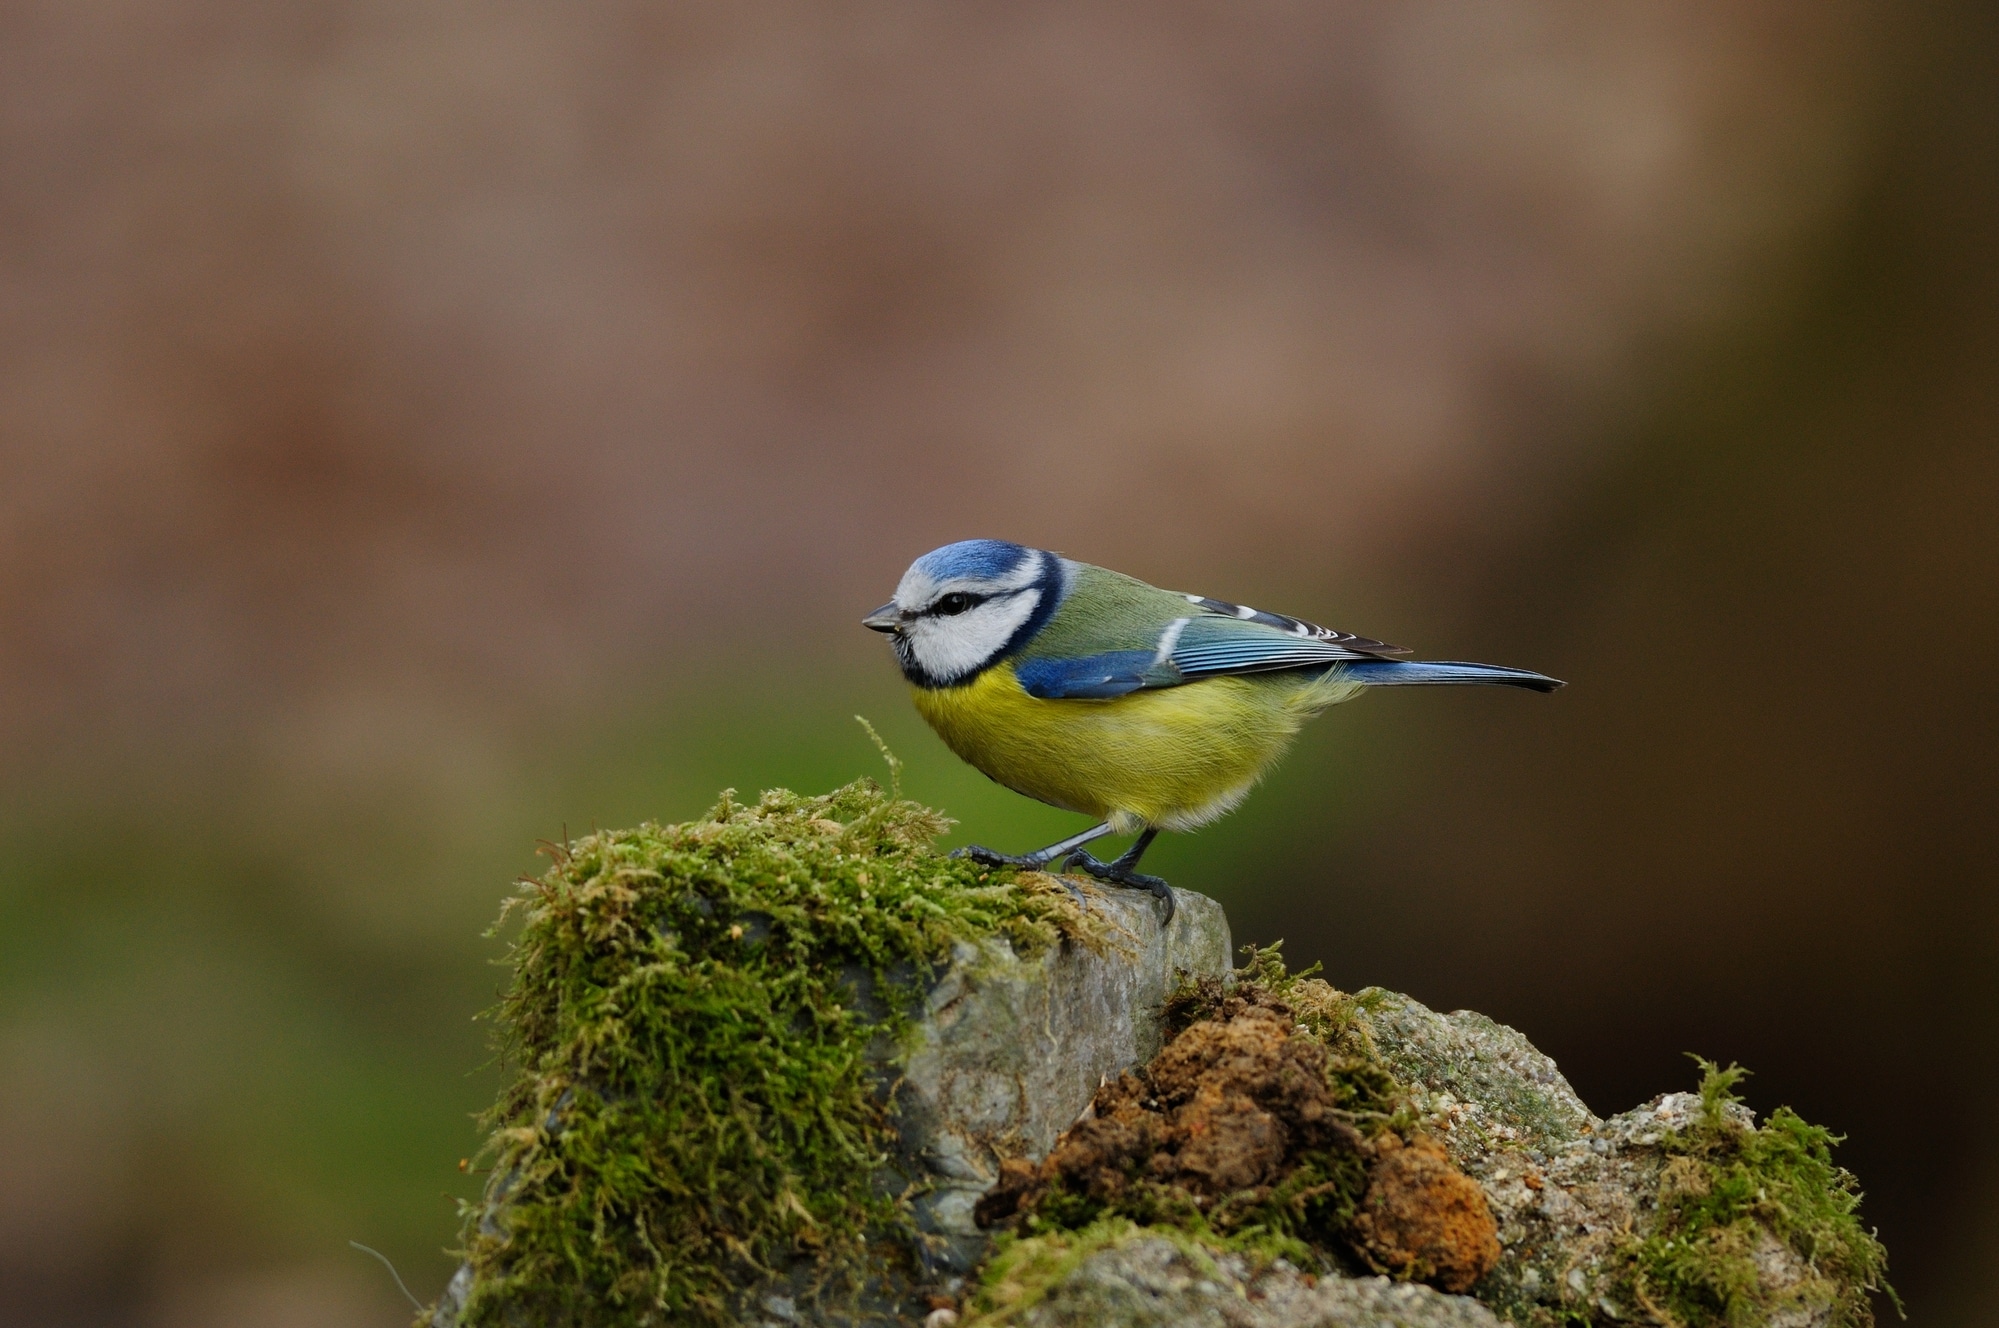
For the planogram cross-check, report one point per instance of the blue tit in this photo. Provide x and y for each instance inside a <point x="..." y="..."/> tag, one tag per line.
<point x="1144" y="709"/>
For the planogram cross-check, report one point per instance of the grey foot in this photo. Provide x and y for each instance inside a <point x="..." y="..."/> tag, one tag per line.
<point x="1116" y="873"/>
<point x="986" y="857"/>
<point x="1037" y="860"/>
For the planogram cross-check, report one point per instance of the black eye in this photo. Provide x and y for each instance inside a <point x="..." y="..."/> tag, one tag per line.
<point x="955" y="602"/>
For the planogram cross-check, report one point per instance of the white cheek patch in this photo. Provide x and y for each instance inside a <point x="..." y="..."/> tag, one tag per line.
<point x="917" y="589"/>
<point x="950" y="648"/>
<point x="1021" y="577"/>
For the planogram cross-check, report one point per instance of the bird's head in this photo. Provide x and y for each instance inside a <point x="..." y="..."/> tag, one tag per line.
<point x="967" y="605"/>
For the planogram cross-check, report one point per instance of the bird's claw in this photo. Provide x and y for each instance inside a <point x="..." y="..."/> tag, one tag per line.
<point x="986" y="857"/>
<point x="1113" y="873"/>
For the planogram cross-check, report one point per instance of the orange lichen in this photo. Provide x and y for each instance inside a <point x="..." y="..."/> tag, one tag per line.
<point x="1423" y="1219"/>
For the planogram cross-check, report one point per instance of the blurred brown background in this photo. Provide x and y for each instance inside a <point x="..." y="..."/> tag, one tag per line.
<point x="431" y="427"/>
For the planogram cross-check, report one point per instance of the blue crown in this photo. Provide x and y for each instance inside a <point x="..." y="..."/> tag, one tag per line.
<point x="979" y="559"/>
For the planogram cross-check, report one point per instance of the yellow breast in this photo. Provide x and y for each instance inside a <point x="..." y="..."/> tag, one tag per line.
<point x="1172" y="757"/>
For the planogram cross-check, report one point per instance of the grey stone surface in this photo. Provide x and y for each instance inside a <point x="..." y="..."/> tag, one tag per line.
<point x="1154" y="1283"/>
<point x="1012" y="1049"/>
<point x="1486" y="1080"/>
<point x="1564" y="1186"/>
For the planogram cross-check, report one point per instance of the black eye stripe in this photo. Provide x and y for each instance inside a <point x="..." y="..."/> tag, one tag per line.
<point x="955" y="603"/>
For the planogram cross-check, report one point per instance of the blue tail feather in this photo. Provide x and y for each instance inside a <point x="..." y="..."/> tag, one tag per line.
<point x="1443" y="673"/>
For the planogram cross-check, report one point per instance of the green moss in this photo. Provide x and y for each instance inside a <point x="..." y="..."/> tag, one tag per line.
<point x="695" y="1021"/>
<point x="1734" y="1195"/>
<point x="1023" y="1269"/>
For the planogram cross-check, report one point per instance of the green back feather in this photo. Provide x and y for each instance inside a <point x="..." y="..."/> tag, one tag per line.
<point x="1105" y="611"/>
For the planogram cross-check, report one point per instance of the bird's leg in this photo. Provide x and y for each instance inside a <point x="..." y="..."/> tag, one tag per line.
<point x="1036" y="860"/>
<point x="1119" y="870"/>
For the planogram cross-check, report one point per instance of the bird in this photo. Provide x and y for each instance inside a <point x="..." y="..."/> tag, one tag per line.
<point x="1144" y="709"/>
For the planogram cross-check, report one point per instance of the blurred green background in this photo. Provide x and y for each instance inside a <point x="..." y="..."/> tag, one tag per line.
<point x="435" y="428"/>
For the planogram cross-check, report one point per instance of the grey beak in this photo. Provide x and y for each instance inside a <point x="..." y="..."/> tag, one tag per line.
<point x="887" y="618"/>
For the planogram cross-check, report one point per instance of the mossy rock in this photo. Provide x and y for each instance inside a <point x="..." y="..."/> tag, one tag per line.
<point x="765" y="1062"/>
<point x="1683" y="1212"/>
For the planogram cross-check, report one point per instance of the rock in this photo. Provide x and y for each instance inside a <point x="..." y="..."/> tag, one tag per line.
<point x="1572" y="1192"/>
<point x="710" y="1083"/>
<point x="1575" y="1198"/>
<point x="1007" y="1054"/>
<point x="1151" y="1282"/>
<point x="1010" y="1051"/>
<point x="1490" y="1082"/>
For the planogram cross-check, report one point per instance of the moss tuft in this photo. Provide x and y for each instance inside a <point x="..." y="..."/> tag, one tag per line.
<point x="1754" y="1222"/>
<point x="694" y="1017"/>
<point x="1022" y="1269"/>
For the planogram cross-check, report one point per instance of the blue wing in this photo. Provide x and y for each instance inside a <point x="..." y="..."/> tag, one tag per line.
<point x="1233" y="638"/>
<point x="1214" y="639"/>
<point x="1210" y="644"/>
<point x="1234" y="615"/>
